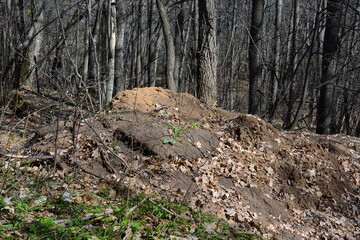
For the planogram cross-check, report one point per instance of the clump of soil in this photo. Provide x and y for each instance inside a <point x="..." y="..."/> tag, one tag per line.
<point x="153" y="99"/>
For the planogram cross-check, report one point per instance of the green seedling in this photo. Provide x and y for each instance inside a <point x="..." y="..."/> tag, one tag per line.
<point x="103" y="193"/>
<point x="194" y="125"/>
<point x="176" y="131"/>
<point x="168" y="141"/>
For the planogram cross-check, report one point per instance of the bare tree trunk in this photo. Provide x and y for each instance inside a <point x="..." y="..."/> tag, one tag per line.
<point x="153" y="50"/>
<point x="183" y="82"/>
<point x="132" y="53"/>
<point x="192" y="85"/>
<point x="228" y="66"/>
<point x="29" y="46"/>
<point x="94" y="72"/>
<point x="112" y="44"/>
<point x="87" y="34"/>
<point x="35" y="47"/>
<point x="275" y="73"/>
<point x="307" y="69"/>
<point x="292" y="62"/>
<point x="178" y="42"/>
<point x="207" y="52"/>
<point x="139" y="46"/>
<point x="119" y="51"/>
<point x="255" y="68"/>
<point x="170" y="48"/>
<point x="330" y="48"/>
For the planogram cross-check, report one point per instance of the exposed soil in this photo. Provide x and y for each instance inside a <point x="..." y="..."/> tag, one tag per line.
<point x="288" y="185"/>
<point x="156" y="99"/>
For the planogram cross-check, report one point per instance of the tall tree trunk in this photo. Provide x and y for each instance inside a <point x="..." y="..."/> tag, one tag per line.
<point x="139" y="46"/>
<point x="307" y="69"/>
<point x="207" y="52"/>
<point x="119" y="51"/>
<point x="255" y="68"/>
<point x="7" y="57"/>
<point x="93" y="47"/>
<point x="292" y="62"/>
<point x="87" y="34"/>
<point x="112" y="44"/>
<point x="193" y="75"/>
<point x="330" y="48"/>
<point x="169" y="44"/>
<point x="153" y="50"/>
<point x="178" y="42"/>
<point x="29" y="49"/>
<point x="35" y="47"/>
<point x="275" y="73"/>
<point x="186" y="55"/>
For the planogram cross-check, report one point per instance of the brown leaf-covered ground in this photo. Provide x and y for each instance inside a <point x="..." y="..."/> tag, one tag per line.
<point x="287" y="185"/>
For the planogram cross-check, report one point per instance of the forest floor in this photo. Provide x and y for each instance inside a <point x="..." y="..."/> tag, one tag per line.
<point x="166" y="145"/>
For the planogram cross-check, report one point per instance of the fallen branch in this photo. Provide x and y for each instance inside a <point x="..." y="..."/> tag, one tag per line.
<point x="137" y="205"/>
<point x="60" y="163"/>
<point x="103" y="143"/>
<point x="166" y="210"/>
<point x="110" y="211"/>
<point x="18" y="156"/>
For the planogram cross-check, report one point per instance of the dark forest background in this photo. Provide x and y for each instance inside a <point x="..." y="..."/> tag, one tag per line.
<point x="294" y="63"/>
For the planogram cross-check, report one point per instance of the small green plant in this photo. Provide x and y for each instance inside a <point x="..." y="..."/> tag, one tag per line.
<point x="168" y="141"/>
<point x="136" y="224"/>
<point x="103" y="193"/>
<point x="22" y="207"/>
<point x="42" y="226"/>
<point x="194" y="125"/>
<point x="176" y="131"/>
<point x="119" y="117"/>
<point x="2" y="203"/>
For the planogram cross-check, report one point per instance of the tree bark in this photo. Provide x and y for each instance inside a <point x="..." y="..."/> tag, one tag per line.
<point x="87" y="34"/>
<point x="139" y="46"/>
<point x="292" y="62"/>
<point x="330" y="48"/>
<point x="169" y="44"/>
<point x="119" y="51"/>
<point x="112" y="44"/>
<point x="207" y="52"/>
<point x="35" y="47"/>
<point x="153" y="38"/>
<point x="275" y="74"/>
<point x="255" y="68"/>
<point x="29" y="49"/>
<point x="307" y="69"/>
<point x="178" y="42"/>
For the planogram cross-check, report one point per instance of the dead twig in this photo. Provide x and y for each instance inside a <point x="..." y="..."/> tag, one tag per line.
<point x="137" y="205"/>
<point x="26" y="156"/>
<point x="107" y="164"/>
<point x="166" y="210"/>
<point x="102" y="141"/>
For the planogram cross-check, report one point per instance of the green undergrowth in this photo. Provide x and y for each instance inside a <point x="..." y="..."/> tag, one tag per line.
<point x="93" y="215"/>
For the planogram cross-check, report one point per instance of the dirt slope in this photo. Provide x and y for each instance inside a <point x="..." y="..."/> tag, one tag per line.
<point x="156" y="99"/>
<point x="288" y="185"/>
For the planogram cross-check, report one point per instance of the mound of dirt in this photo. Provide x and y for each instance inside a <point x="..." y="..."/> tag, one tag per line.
<point x="162" y="138"/>
<point x="288" y="185"/>
<point x="154" y="99"/>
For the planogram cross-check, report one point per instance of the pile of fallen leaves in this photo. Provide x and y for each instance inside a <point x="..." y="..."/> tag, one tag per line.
<point x="286" y="185"/>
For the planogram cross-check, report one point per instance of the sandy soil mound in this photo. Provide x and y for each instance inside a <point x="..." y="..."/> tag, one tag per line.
<point x="289" y="185"/>
<point x="155" y="99"/>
